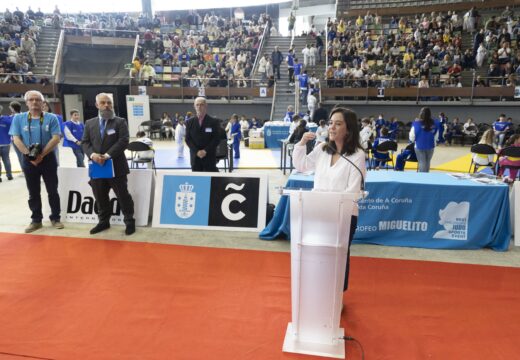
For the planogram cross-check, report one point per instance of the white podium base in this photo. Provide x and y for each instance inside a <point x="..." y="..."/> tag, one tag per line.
<point x="334" y="350"/>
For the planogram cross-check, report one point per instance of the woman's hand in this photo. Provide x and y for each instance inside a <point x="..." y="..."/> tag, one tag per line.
<point x="308" y="136"/>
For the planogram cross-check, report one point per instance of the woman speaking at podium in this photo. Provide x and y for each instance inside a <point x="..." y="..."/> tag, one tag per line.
<point x="338" y="164"/>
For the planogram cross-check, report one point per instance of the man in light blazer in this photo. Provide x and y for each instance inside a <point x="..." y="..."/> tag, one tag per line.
<point x="203" y="134"/>
<point x="106" y="137"/>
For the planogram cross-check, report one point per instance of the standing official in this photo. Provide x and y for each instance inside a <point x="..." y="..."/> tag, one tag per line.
<point x="276" y="60"/>
<point x="203" y="134"/>
<point x="36" y="134"/>
<point x="106" y="137"/>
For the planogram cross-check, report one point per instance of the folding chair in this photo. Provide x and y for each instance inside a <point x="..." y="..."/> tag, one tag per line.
<point x="135" y="147"/>
<point x="484" y="150"/>
<point x="222" y="153"/>
<point x="388" y="146"/>
<point x="510" y="151"/>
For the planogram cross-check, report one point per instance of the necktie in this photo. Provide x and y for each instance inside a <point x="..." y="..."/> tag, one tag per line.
<point x="102" y="128"/>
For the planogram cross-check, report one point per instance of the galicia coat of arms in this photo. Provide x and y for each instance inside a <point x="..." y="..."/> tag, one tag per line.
<point x="185" y="201"/>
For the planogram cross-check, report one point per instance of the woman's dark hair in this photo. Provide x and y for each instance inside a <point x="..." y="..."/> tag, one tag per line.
<point x="426" y="118"/>
<point x="512" y="139"/>
<point x="302" y="124"/>
<point x="351" y="142"/>
<point x="48" y="106"/>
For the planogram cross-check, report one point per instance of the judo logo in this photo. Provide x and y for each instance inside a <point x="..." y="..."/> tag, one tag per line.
<point x="454" y="218"/>
<point x="185" y="201"/>
<point x="226" y="203"/>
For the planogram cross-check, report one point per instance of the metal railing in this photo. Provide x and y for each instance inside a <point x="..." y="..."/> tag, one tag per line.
<point x="211" y="88"/>
<point x="273" y="102"/>
<point x="365" y="89"/>
<point x="80" y="31"/>
<point x="260" y="48"/>
<point x="57" y="58"/>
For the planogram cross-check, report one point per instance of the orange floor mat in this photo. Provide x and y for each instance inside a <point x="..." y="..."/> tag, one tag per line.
<point x="71" y="298"/>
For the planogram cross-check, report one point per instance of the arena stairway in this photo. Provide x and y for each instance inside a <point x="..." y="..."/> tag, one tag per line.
<point x="284" y="93"/>
<point x="46" y="51"/>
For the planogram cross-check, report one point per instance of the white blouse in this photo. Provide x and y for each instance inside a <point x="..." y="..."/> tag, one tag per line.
<point x="341" y="176"/>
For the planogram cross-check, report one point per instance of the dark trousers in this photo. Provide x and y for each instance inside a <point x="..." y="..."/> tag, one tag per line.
<point x="291" y="75"/>
<point x="80" y="157"/>
<point x="101" y="189"/>
<point x="236" y="148"/>
<point x="4" y="153"/>
<point x="276" y="71"/>
<point x="353" y="225"/>
<point x="48" y="170"/>
<point x="207" y="163"/>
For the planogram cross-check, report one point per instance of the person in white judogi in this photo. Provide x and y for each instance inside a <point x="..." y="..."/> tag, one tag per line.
<point x="180" y="135"/>
<point x="306" y="53"/>
<point x="313" y="53"/>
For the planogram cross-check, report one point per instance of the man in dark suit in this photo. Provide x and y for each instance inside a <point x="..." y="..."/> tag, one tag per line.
<point x="106" y="137"/>
<point x="202" y="137"/>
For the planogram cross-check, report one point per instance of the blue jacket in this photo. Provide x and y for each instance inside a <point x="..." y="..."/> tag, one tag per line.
<point x="424" y="140"/>
<point x="5" y="125"/>
<point x="76" y="130"/>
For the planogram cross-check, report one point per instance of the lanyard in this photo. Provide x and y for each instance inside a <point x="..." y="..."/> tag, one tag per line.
<point x="29" y="120"/>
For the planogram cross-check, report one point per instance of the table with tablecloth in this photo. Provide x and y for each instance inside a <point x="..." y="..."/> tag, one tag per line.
<point x="427" y="210"/>
<point x="275" y="131"/>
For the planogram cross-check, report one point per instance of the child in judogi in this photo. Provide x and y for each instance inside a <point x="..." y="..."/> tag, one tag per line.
<point x="180" y="135"/>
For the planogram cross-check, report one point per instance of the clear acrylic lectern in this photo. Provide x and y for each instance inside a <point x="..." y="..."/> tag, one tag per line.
<point x="320" y="226"/>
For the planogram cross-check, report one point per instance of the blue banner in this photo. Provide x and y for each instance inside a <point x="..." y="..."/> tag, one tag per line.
<point x="433" y="210"/>
<point x="185" y="200"/>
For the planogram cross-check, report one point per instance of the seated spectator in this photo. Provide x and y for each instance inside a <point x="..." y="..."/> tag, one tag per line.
<point x="145" y="155"/>
<point x="393" y="129"/>
<point x="501" y="128"/>
<point x="30" y="78"/>
<point x="380" y="157"/>
<point x="453" y="129"/>
<point x="482" y="159"/>
<point x="255" y="124"/>
<point x="504" y="53"/>
<point x="407" y="154"/>
<point x="504" y="161"/>
<point x="322" y="133"/>
<point x="167" y="127"/>
<point x="454" y="70"/>
<point x="479" y="82"/>
<point x="470" y="128"/>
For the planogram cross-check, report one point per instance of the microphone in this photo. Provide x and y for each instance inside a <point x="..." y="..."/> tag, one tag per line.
<point x="363" y="192"/>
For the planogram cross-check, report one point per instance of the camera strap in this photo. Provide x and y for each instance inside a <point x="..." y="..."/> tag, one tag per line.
<point x="29" y="120"/>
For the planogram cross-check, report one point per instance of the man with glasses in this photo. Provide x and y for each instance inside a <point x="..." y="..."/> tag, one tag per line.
<point x="36" y="134"/>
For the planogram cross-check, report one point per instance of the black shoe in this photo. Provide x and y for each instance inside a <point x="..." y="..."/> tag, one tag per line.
<point x="130" y="229"/>
<point x="99" y="227"/>
<point x="10" y="177"/>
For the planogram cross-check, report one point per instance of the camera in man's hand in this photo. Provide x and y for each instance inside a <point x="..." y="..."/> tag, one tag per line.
<point x="34" y="151"/>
